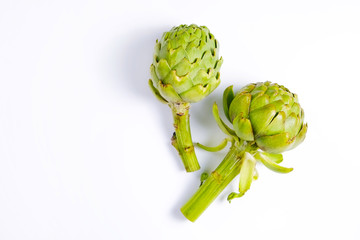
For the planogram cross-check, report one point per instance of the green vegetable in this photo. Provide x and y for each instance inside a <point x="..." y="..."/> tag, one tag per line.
<point x="185" y="69"/>
<point x="267" y="121"/>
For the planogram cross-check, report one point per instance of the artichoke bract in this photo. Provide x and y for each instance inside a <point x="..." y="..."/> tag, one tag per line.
<point x="266" y="113"/>
<point x="185" y="69"/>
<point x="267" y="120"/>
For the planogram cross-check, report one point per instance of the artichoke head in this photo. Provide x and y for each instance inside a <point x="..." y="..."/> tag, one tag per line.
<point x="186" y="64"/>
<point x="266" y="113"/>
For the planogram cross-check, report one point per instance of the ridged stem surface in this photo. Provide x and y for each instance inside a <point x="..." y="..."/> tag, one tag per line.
<point x="215" y="184"/>
<point x="181" y="139"/>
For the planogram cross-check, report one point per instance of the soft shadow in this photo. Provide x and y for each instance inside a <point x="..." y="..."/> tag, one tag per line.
<point x="213" y="160"/>
<point x="132" y="72"/>
<point x="205" y="129"/>
<point x="134" y="59"/>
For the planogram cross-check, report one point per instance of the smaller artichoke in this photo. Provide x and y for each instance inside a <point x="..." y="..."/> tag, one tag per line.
<point x="267" y="121"/>
<point x="185" y="69"/>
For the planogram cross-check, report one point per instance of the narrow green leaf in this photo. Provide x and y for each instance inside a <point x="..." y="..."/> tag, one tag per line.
<point x="246" y="172"/>
<point x="275" y="157"/>
<point x="228" y="96"/>
<point x="221" y="146"/>
<point x="220" y="122"/>
<point x="270" y="164"/>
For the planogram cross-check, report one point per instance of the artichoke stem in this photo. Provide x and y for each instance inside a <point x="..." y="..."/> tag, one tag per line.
<point x="181" y="138"/>
<point x="215" y="184"/>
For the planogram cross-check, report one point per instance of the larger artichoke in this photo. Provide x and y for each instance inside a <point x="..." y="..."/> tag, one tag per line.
<point x="267" y="121"/>
<point x="266" y="113"/>
<point x="185" y="69"/>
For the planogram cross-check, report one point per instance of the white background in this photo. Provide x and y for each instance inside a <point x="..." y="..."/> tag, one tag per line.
<point x="85" y="147"/>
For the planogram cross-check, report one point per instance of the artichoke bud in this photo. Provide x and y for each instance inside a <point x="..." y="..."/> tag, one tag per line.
<point x="266" y="113"/>
<point x="186" y="64"/>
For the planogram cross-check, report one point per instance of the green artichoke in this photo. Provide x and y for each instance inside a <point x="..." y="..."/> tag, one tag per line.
<point x="185" y="69"/>
<point x="266" y="113"/>
<point x="267" y="121"/>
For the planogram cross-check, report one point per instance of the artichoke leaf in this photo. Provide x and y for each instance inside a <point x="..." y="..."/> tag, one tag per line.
<point x="218" y="64"/>
<point x="221" y="146"/>
<point x="175" y="55"/>
<point x="277" y="125"/>
<point x="270" y="164"/>
<point x="255" y="175"/>
<point x="292" y="125"/>
<point x="259" y="89"/>
<point x="247" y="175"/>
<point x="246" y="172"/>
<point x="202" y="76"/>
<point x="261" y="117"/>
<point x="180" y="84"/>
<point x="191" y="51"/>
<point x="248" y="88"/>
<point x="183" y="67"/>
<point x="156" y="92"/>
<point x="240" y="105"/>
<point x="272" y="90"/>
<point x="233" y="195"/>
<point x="169" y="93"/>
<point x="196" y="93"/>
<point x="228" y="96"/>
<point x="214" y="83"/>
<point x="155" y="79"/>
<point x="227" y="130"/>
<point x="243" y="129"/>
<point x="295" y="108"/>
<point x="259" y="101"/>
<point x="279" y="105"/>
<point x="300" y="137"/>
<point x="157" y="48"/>
<point x="162" y="68"/>
<point x="277" y="143"/>
<point x="274" y="157"/>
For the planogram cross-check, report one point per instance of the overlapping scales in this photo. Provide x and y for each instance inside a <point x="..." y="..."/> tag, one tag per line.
<point x="186" y="64"/>
<point x="268" y="114"/>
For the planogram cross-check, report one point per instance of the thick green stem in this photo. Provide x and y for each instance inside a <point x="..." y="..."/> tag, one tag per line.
<point x="181" y="139"/>
<point x="215" y="184"/>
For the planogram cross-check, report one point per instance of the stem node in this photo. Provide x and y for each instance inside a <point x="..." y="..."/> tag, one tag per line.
<point x="181" y="138"/>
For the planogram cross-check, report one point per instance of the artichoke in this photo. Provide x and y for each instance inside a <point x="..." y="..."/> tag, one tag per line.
<point x="185" y="69"/>
<point x="267" y="120"/>
<point x="266" y="113"/>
